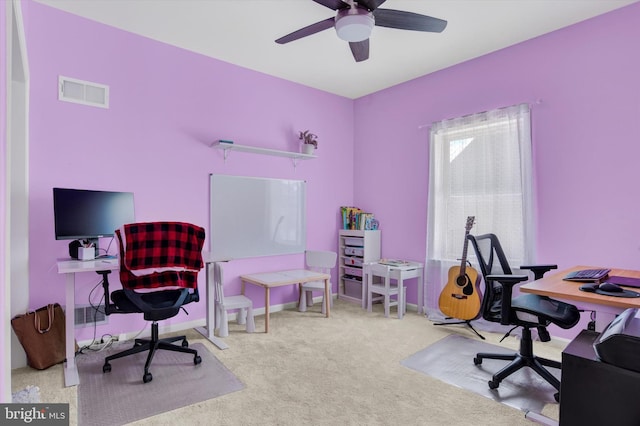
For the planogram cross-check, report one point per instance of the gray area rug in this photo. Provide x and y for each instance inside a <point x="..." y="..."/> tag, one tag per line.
<point x="451" y="360"/>
<point x="120" y="397"/>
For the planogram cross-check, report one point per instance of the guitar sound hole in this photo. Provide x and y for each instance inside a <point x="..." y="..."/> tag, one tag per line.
<point x="462" y="281"/>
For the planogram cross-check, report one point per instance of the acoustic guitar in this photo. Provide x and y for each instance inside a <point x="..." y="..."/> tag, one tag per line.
<point x="461" y="297"/>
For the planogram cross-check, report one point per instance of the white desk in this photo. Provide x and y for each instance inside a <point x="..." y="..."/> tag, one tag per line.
<point x="208" y="330"/>
<point x="280" y="278"/>
<point x="71" y="267"/>
<point x="401" y="273"/>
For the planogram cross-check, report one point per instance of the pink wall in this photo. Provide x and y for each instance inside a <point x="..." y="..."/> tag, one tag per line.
<point x="585" y="136"/>
<point x="5" y="395"/>
<point x="166" y="105"/>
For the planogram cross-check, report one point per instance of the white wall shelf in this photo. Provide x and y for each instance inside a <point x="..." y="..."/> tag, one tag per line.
<point x="295" y="156"/>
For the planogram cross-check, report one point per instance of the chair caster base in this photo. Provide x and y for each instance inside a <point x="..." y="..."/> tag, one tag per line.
<point x="493" y="384"/>
<point x="147" y="377"/>
<point x="106" y="367"/>
<point x="197" y="360"/>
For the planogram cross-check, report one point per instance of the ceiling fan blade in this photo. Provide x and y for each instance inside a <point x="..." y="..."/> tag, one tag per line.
<point x="360" y="50"/>
<point x="408" y="21"/>
<point x="307" y="31"/>
<point x="370" y="4"/>
<point x="333" y="4"/>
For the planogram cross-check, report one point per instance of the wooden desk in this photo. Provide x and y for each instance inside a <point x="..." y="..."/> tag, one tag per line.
<point x="280" y="278"/>
<point x="607" y="307"/>
<point x="401" y="273"/>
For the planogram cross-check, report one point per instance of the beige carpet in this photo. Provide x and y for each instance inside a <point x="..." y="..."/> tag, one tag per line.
<point x="309" y="370"/>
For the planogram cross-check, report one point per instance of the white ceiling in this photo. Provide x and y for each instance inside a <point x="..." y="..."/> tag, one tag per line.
<point x="242" y="32"/>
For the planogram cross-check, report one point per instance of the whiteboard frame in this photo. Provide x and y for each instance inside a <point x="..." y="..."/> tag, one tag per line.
<point x="256" y="217"/>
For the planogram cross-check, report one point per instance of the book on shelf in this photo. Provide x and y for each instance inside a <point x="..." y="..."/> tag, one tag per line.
<point x="356" y="219"/>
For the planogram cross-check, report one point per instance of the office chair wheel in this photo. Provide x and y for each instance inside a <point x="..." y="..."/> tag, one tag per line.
<point x="197" y="360"/>
<point x="556" y="396"/>
<point x="147" y="377"/>
<point x="106" y="367"/>
<point x="477" y="361"/>
<point x="185" y="344"/>
<point x="493" y="384"/>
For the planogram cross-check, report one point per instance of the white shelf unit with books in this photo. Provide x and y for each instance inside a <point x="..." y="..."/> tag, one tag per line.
<point x="355" y="248"/>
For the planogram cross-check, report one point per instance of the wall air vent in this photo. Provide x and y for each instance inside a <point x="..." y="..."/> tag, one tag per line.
<point x="83" y="92"/>
<point x="88" y="315"/>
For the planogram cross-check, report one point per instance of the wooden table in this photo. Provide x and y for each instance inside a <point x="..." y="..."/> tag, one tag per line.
<point x="606" y="307"/>
<point x="267" y="280"/>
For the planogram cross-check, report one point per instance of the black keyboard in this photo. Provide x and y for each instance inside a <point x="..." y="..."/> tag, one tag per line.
<point x="587" y="275"/>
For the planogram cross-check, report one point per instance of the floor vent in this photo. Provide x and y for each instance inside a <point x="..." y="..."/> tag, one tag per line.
<point x="88" y="315"/>
<point x="83" y="92"/>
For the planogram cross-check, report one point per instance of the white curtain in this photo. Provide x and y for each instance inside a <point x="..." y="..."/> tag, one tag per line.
<point x="480" y="165"/>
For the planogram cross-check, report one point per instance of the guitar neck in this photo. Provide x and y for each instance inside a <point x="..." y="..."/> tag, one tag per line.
<point x="463" y="263"/>
<point x="467" y="229"/>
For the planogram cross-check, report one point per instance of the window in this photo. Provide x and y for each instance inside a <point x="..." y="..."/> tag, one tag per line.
<point x="480" y="165"/>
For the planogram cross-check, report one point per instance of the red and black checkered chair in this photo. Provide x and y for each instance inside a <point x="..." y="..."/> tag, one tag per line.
<point x="159" y="264"/>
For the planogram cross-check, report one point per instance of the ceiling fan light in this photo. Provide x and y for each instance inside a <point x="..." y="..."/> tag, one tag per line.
<point x="354" y="27"/>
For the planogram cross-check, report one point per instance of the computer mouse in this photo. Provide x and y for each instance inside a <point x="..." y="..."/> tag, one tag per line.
<point x="611" y="288"/>
<point x="589" y="287"/>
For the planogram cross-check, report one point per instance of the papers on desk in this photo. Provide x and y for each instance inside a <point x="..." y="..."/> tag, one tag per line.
<point x="394" y="262"/>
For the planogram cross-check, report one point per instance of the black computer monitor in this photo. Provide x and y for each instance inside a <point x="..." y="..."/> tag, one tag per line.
<point x="86" y="215"/>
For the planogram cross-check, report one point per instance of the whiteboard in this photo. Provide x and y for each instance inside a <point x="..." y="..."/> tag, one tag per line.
<point x="252" y="217"/>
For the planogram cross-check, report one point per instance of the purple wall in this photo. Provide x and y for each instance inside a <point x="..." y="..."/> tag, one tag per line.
<point x="166" y="106"/>
<point x="5" y="339"/>
<point x="585" y="138"/>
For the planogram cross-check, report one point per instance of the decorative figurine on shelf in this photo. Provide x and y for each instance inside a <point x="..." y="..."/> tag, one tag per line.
<point x="309" y="141"/>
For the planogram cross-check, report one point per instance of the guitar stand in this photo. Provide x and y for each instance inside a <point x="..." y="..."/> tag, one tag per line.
<point x="467" y="322"/>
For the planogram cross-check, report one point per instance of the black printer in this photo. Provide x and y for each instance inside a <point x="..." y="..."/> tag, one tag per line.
<point x="619" y="343"/>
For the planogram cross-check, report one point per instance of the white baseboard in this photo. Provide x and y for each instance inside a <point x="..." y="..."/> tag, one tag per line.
<point x="174" y="328"/>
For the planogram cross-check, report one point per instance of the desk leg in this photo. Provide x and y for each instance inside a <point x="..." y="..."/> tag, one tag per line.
<point x="209" y="330"/>
<point x="71" y="377"/>
<point x="327" y="297"/>
<point x="421" y="303"/>
<point x="267" y="300"/>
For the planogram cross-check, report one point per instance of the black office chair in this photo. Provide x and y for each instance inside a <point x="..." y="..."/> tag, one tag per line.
<point x="154" y="256"/>
<point x="527" y="310"/>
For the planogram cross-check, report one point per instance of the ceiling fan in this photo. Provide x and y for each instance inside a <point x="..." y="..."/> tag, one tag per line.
<point x="355" y="20"/>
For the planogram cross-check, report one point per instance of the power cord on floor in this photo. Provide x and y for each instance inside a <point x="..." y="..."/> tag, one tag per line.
<point x="106" y="341"/>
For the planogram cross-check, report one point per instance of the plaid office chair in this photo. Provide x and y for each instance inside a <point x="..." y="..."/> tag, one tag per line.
<point x="159" y="264"/>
